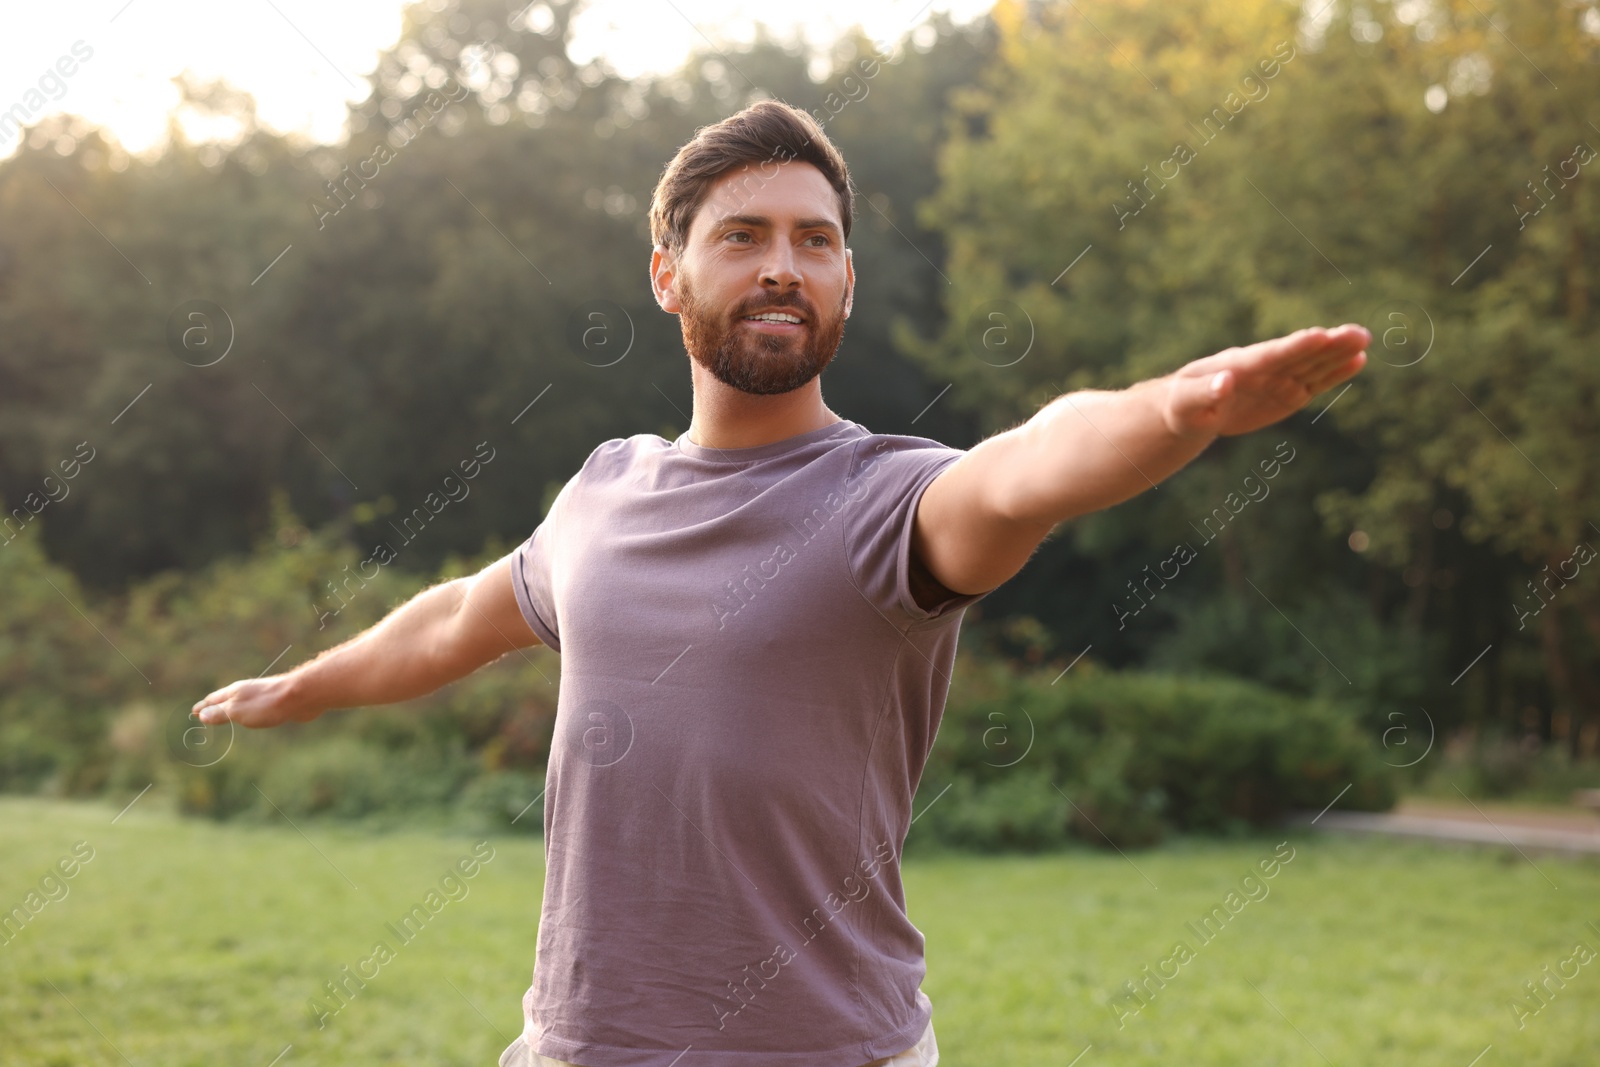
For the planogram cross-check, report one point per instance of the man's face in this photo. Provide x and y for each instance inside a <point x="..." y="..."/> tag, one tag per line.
<point x="766" y="240"/>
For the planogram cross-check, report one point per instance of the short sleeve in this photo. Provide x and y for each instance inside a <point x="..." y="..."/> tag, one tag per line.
<point x="532" y="572"/>
<point x="885" y="482"/>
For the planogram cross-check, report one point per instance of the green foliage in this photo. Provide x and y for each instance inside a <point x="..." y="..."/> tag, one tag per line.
<point x="1379" y="670"/>
<point x="99" y="701"/>
<point x="340" y="776"/>
<point x="346" y="777"/>
<point x="504" y="802"/>
<point x="225" y="789"/>
<point x="1138" y="756"/>
<point x="1019" y="812"/>
<point x="55" y="671"/>
<point x="433" y="307"/>
<point x="1357" y="164"/>
<point x="1117" y="758"/>
<point x="422" y="318"/>
<point x="1499" y="767"/>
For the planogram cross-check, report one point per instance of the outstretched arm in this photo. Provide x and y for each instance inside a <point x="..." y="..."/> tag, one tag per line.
<point x="443" y="633"/>
<point x="980" y="520"/>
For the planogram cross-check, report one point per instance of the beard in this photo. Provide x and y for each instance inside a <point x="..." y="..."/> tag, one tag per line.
<point x="758" y="363"/>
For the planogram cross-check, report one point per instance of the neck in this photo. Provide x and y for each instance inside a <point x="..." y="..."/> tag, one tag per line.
<point x="724" y="417"/>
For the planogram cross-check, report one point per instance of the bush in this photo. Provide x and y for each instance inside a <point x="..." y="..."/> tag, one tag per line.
<point x="1385" y="668"/>
<point x="342" y="777"/>
<point x="224" y="789"/>
<point x="1030" y="762"/>
<point x="29" y="758"/>
<point x="1496" y="767"/>
<point x="56" y="673"/>
<point x="1124" y="758"/>
<point x="1018" y="812"/>
<point x="346" y="777"/>
<point x="504" y="802"/>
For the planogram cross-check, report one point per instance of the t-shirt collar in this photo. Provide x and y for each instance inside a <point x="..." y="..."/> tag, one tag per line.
<point x="766" y="451"/>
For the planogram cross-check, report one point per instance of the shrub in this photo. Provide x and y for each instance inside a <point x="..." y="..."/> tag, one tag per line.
<point x="1123" y="758"/>
<point x="56" y="673"/>
<point x="1384" y="668"/>
<point x="29" y="757"/>
<point x="346" y="777"/>
<point x="1496" y="767"/>
<point x="504" y="802"/>
<point x="221" y="790"/>
<point x="340" y="776"/>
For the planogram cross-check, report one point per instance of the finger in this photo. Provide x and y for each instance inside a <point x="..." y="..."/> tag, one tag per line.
<point x="1348" y="368"/>
<point x="216" y="695"/>
<point x="1358" y="330"/>
<point x="1292" y="353"/>
<point x="1312" y="368"/>
<point x="215" y="713"/>
<point x="1345" y="340"/>
<point x="1298" y="353"/>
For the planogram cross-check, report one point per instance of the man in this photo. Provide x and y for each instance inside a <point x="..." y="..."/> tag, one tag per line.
<point x="757" y="623"/>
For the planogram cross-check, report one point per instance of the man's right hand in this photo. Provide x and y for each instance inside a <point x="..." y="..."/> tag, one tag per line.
<point x="255" y="703"/>
<point x="443" y="633"/>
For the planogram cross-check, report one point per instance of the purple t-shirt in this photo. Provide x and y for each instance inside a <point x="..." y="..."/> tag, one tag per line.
<point x="748" y="695"/>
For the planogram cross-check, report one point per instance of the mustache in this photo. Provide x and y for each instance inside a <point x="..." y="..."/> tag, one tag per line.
<point x="800" y="304"/>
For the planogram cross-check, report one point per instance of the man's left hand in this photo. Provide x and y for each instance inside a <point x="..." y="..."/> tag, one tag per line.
<point x="1243" y="389"/>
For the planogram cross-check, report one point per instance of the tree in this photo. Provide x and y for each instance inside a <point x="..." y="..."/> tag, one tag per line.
<point x="1231" y="175"/>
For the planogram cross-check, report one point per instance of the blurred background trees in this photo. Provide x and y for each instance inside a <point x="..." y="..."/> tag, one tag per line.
<point x="1359" y="182"/>
<point x="1026" y="225"/>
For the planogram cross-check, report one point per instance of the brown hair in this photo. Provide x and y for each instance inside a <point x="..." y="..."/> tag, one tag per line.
<point x="767" y="132"/>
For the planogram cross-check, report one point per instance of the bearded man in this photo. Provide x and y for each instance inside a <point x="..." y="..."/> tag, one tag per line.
<point x="757" y="623"/>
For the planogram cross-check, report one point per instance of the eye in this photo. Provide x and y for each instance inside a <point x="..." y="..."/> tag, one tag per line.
<point x="739" y="233"/>
<point x="819" y="237"/>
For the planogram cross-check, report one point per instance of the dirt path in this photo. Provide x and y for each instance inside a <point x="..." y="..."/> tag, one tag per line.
<point x="1474" y="822"/>
<point x="1545" y="818"/>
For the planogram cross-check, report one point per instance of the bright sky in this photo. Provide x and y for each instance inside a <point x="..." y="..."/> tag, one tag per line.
<point x="304" y="60"/>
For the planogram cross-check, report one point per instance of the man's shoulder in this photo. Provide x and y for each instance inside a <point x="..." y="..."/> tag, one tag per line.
<point x="873" y="450"/>
<point x="902" y="441"/>
<point x="617" y="453"/>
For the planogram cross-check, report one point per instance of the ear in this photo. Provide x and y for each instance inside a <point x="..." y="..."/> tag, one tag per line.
<point x="849" y="282"/>
<point x="663" y="275"/>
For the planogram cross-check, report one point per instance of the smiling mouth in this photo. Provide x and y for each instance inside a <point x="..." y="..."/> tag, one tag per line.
<point x="777" y="318"/>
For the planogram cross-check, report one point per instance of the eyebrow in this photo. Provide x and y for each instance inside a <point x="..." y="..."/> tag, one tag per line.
<point x="762" y="221"/>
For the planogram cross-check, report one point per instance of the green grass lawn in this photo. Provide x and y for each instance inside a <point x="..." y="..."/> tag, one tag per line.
<point x="184" y="942"/>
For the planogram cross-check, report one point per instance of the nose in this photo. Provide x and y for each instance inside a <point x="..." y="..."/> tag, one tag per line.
<point x="778" y="269"/>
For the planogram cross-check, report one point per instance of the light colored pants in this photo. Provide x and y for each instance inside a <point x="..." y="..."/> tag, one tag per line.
<point x="925" y="1053"/>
